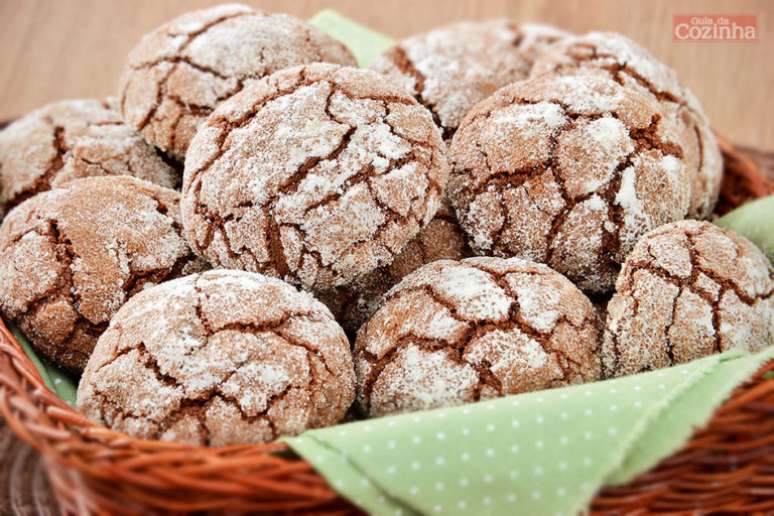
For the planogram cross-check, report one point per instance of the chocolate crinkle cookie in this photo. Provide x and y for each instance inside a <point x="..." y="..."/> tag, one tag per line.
<point x="73" y="139"/>
<point x="178" y="73"/>
<point x="455" y="332"/>
<point x="569" y="171"/>
<point x="317" y="174"/>
<point x="451" y="69"/>
<point x="219" y="358"/>
<point x="687" y="290"/>
<point x="441" y="239"/>
<point x="70" y="257"/>
<point x="626" y="62"/>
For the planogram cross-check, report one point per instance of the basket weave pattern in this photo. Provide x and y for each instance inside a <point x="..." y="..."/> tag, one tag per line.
<point x="726" y="467"/>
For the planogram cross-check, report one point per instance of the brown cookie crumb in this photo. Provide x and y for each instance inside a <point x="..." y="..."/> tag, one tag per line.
<point x="626" y="62"/>
<point x="219" y="358"/>
<point x="569" y="171"/>
<point x="73" y="139"/>
<point x="316" y="174"/>
<point x="687" y="290"/>
<point x="452" y="68"/>
<point x="441" y="239"/>
<point x="70" y="257"/>
<point x="455" y="332"/>
<point x="178" y="73"/>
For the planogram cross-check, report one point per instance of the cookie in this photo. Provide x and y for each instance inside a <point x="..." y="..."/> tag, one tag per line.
<point x="219" y="358"/>
<point x="70" y="257"/>
<point x="441" y="239"/>
<point x="621" y="59"/>
<point x="456" y="332"/>
<point x="687" y="290"/>
<point x="72" y="139"/>
<point x="316" y="174"/>
<point x="178" y="73"/>
<point x="452" y="68"/>
<point x="569" y="171"/>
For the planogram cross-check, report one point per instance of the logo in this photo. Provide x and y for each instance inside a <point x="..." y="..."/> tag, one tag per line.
<point x="714" y="27"/>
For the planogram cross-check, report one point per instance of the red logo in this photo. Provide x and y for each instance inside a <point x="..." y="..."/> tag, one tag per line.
<point x="714" y="27"/>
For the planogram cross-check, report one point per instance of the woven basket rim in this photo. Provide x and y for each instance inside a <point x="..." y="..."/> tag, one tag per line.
<point x="268" y="475"/>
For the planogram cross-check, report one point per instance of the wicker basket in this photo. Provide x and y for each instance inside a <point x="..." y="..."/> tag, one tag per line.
<point x="726" y="467"/>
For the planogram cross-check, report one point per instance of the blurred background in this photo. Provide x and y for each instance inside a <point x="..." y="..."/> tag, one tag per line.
<point x="54" y="49"/>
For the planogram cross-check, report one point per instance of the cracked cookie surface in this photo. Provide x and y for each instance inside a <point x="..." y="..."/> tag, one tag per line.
<point x="317" y="175"/>
<point x="219" y="358"/>
<point x="181" y="71"/>
<point x="452" y="68"/>
<point x="73" y="139"/>
<point x="569" y="171"/>
<point x="70" y="257"/>
<point x="441" y="239"/>
<point x="456" y="332"/>
<point x="687" y="290"/>
<point x="623" y="60"/>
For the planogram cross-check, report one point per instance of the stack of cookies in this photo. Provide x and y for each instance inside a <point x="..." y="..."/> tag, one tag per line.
<point x="256" y="235"/>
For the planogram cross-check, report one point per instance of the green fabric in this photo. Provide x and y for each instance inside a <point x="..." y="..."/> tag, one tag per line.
<point x="57" y="380"/>
<point x="364" y="43"/>
<point x="545" y="452"/>
<point x="755" y="220"/>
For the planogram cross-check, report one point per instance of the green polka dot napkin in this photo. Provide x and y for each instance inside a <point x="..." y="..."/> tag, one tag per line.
<point x="546" y="452"/>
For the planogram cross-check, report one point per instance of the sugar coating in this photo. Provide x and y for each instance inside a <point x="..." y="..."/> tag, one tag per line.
<point x="456" y="332"/>
<point x="441" y="239"/>
<point x="569" y="171"/>
<point x="72" y="139"/>
<point x="317" y="174"/>
<point x="70" y="257"/>
<point x="623" y="60"/>
<point x="452" y="68"/>
<point x="178" y="73"/>
<point x="687" y="290"/>
<point x="218" y="358"/>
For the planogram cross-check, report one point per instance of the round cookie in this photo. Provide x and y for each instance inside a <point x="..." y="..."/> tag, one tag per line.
<point x="687" y="290"/>
<point x="70" y="257"/>
<point x="72" y="139"/>
<point x="623" y="60"/>
<point x="452" y="68"/>
<point x="316" y="174"/>
<point x="569" y="171"/>
<point x="441" y="239"/>
<point x="178" y="73"/>
<point x="455" y="332"/>
<point x="219" y="358"/>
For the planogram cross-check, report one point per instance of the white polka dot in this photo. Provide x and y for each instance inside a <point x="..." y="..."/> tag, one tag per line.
<point x="364" y="482"/>
<point x="561" y="491"/>
<point x="489" y="452"/>
<point x="367" y="428"/>
<point x="440" y="436"/>
<point x="490" y="428"/>
<point x="440" y="461"/>
<point x="513" y="474"/>
<point x="588" y="393"/>
<point x="437" y="508"/>
<point x="515" y="423"/>
<point x="391" y="423"/>
<point x="564" y="415"/>
<point x="382" y="499"/>
<point x="563" y="395"/>
<point x="487" y="500"/>
<point x="587" y="461"/>
<point x="612" y="430"/>
<point x="538" y="471"/>
<point x="466" y="431"/>
<point x="465" y="457"/>
<point x="463" y="482"/>
<point x="540" y="399"/>
<point x="416" y="439"/>
<point x="416" y="466"/>
<point x="638" y="404"/>
<point x="442" y="415"/>
<point x="490" y="406"/>
<point x="637" y="388"/>
<point x="539" y="420"/>
<point x="613" y="408"/>
<point x="392" y="470"/>
<point x="536" y="494"/>
<point x="461" y="504"/>
<point x="339" y="483"/>
<point x="563" y="466"/>
<point x="661" y="374"/>
<point x="661" y="386"/>
<point x="515" y="403"/>
<point x="588" y="435"/>
<point x="488" y="478"/>
<point x="416" y="419"/>
<point x="588" y="412"/>
<point x="466" y="411"/>
<point x="539" y="444"/>
<point x="366" y="449"/>
<point x="342" y="433"/>
<point x="414" y="490"/>
<point x="514" y="448"/>
<point x="439" y="486"/>
<point x="511" y="498"/>
<point x="399" y="512"/>
<point x="563" y="440"/>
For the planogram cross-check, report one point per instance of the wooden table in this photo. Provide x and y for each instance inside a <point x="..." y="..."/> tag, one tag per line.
<point x="53" y="49"/>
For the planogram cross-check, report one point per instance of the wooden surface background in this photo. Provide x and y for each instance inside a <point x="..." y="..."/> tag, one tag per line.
<point x="53" y="49"/>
